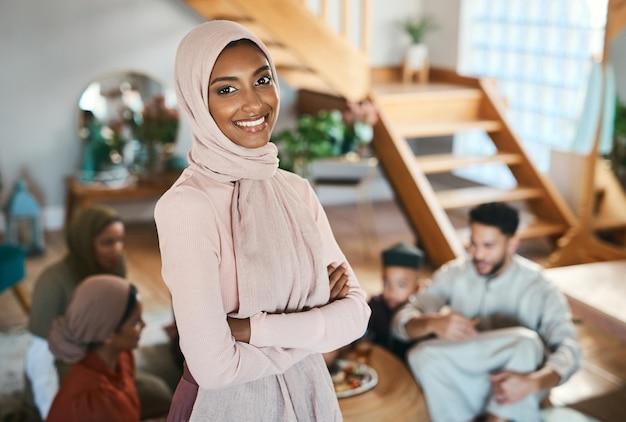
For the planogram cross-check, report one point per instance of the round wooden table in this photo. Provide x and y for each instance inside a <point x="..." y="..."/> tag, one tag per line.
<point x="397" y="397"/>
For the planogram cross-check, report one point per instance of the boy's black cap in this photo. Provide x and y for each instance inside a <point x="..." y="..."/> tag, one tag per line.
<point x="403" y="255"/>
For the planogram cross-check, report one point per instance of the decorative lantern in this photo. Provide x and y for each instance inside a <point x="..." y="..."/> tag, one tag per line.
<point x="24" y="226"/>
<point x="12" y="271"/>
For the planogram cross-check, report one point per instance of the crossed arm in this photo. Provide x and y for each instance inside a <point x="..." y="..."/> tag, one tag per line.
<point x="339" y="288"/>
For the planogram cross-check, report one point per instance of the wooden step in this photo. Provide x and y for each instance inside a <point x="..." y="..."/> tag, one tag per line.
<point x="532" y="230"/>
<point x="227" y="10"/>
<point x="431" y="105"/>
<point x="283" y="57"/>
<point x="391" y="91"/>
<point x="215" y="9"/>
<point x="260" y="31"/>
<point x="473" y="196"/>
<point x="538" y="228"/>
<point x="418" y="129"/>
<point x="444" y="163"/>
<point x="608" y="223"/>
<point x="300" y="78"/>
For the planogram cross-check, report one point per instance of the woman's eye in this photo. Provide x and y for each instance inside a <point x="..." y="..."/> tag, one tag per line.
<point x="226" y="90"/>
<point x="265" y="80"/>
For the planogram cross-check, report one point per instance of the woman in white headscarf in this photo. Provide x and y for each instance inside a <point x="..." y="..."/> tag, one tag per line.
<point x="247" y="249"/>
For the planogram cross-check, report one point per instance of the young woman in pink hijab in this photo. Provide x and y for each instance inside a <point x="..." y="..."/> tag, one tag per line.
<point x="247" y="249"/>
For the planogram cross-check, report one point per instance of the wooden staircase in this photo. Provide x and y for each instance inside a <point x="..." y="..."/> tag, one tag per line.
<point x="328" y="70"/>
<point x="448" y="105"/>
<point x="307" y="53"/>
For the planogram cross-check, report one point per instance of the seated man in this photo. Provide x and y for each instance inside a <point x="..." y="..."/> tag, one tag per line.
<point x="499" y="334"/>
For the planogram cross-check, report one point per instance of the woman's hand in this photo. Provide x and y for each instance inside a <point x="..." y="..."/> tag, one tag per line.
<point x="240" y="328"/>
<point x="338" y="278"/>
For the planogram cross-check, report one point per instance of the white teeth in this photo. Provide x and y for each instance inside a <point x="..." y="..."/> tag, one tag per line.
<point x="252" y="123"/>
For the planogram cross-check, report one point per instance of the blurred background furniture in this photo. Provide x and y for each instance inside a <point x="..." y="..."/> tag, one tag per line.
<point x="12" y="271"/>
<point x="24" y="225"/>
<point x="350" y="171"/>
<point x="79" y="195"/>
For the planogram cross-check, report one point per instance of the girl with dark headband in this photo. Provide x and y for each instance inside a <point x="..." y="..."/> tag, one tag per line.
<point x="97" y="335"/>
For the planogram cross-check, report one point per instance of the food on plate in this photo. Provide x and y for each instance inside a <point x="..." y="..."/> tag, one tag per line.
<point x="348" y="375"/>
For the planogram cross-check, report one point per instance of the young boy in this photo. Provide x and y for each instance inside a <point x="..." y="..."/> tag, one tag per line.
<point x="401" y="266"/>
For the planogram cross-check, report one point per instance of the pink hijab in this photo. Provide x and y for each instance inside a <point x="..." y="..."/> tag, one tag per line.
<point x="278" y="246"/>
<point x="95" y="311"/>
<point x="211" y="151"/>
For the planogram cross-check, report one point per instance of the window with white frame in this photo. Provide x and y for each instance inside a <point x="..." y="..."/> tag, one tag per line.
<point x="539" y="52"/>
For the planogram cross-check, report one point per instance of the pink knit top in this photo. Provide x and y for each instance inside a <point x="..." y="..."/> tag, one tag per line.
<point x="194" y="225"/>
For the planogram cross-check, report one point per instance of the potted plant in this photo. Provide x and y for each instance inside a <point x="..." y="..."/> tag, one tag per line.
<point x="416" y="55"/>
<point x="359" y="118"/>
<point x="326" y="134"/>
<point x="314" y="136"/>
<point x="156" y="129"/>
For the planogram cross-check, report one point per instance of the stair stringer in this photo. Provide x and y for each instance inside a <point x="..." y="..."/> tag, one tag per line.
<point x="435" y="232"/>
<point x="552" y="206"/>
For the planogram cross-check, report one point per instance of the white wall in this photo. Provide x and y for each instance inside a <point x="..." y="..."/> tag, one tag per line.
<point x="51" y="50"/>
<point x="388" y="41"/>
<point x="444" y="42"/>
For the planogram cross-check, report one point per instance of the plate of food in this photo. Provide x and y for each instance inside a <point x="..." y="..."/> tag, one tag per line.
<point x="351" y="378"/>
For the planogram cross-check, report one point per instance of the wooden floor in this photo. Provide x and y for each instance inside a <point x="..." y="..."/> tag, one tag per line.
<point x="598" y="389"/>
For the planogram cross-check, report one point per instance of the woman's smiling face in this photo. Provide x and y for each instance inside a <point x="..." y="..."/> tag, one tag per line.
<point x="243" y="99"/>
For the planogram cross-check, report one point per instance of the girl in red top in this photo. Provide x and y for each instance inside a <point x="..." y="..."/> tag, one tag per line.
<point x="97" y="334"/>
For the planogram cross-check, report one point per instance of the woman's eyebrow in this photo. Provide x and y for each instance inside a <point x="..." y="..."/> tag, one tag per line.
<point x="262" y="69"/>
<point x="221" y="79"/>
<point x="232" y="78"/>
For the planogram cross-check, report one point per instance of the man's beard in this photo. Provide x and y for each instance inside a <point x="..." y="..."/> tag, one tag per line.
<point x="496" y="267"/>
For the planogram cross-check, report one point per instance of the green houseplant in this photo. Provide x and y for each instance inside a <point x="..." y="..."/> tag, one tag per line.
<point x="156" y="129"/>
<point x="416" y="54"/>
<point x="418" y="27"/>
<point x="325" y="134"/>
<point x="314" y="136"/>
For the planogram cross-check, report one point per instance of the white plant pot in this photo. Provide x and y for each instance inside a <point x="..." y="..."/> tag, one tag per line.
<point x="416" y="56"/>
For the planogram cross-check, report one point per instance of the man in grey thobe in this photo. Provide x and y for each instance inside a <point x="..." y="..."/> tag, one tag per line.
<point x="495" y="334"/>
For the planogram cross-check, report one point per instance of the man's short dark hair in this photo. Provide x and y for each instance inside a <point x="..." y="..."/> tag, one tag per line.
<point x="496" y="214"/>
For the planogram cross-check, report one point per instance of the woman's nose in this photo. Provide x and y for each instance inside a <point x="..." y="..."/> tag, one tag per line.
<point x="252" y="101"/>
<point x="141" y="324"/>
